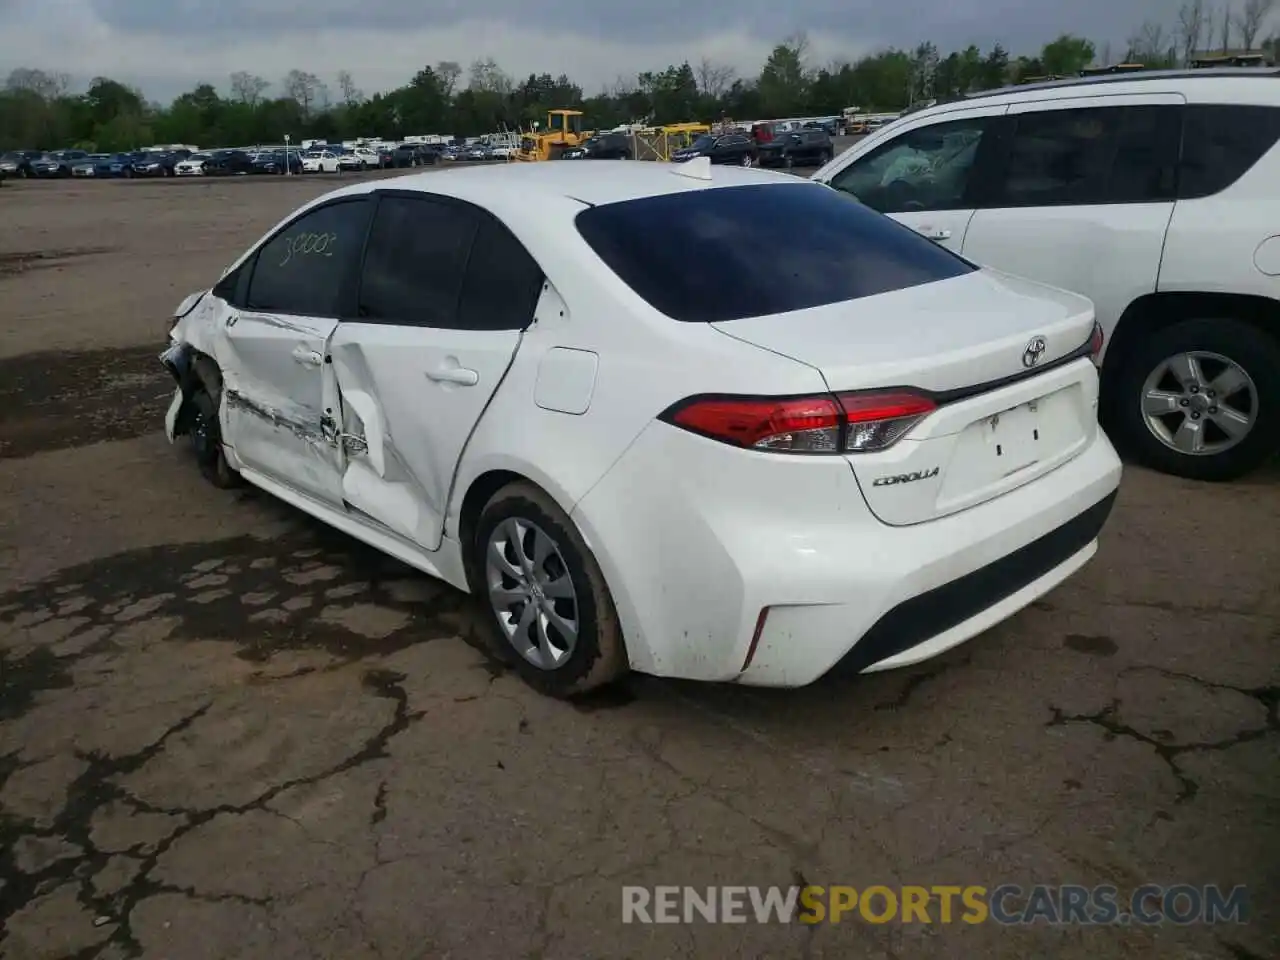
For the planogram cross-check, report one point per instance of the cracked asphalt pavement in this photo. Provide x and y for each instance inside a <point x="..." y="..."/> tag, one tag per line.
<point x="226" y="731"/>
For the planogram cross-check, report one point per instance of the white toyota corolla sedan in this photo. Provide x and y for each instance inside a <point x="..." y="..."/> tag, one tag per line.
<point x="711" y="423"/>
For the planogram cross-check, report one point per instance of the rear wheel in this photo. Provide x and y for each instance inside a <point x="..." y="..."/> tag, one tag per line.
<point x="748" y="160"/>
<point x="552" y="616"/>
<point x="1201" y="399"/>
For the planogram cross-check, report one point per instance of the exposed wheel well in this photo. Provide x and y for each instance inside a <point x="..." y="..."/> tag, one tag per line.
<point x="1155" y="311"/>
<point x="207" y="371"/>
<point x="478" y="494"/>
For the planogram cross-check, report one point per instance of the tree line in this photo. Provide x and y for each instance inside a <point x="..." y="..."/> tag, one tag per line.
<point x="38" y="110"/>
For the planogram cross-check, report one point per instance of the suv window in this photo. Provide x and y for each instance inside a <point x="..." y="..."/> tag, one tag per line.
<point x="415" y="261"/>
<point x="750" y="251"/>
<point x="1220" y="143"/>
<point x="1090" y="156"/>
<point x="303" y="269"/>
<point x="928" y="168"/>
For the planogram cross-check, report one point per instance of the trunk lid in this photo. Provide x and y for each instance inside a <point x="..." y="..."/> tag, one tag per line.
<point x="967" y="342"/>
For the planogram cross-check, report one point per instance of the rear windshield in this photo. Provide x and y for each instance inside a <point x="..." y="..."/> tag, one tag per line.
<point x="727" y="253"/>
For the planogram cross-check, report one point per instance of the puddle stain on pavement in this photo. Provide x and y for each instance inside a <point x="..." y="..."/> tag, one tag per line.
<point x="312" y="590"/>
<point x="52" y="401"/>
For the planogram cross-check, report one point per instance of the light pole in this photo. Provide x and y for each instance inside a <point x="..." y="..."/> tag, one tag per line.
<point x="288" y="168"/>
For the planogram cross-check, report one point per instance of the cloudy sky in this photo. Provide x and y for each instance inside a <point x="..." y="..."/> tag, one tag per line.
<point x="166" y="46"/>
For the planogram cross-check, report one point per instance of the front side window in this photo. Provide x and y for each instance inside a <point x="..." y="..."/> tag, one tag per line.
<point x="733" y="252"/>
<point x="928" y="168"/>
<point x="305" y="268"/>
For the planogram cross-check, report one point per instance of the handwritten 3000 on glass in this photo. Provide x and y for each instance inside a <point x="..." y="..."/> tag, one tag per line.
<point x="310" y="245"/>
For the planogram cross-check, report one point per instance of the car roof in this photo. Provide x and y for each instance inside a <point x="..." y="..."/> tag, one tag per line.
<point x="606" y="181"/>
<point x="1260" y="85"/>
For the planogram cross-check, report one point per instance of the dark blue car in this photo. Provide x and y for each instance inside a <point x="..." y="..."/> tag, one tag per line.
<point x="124" y="164"/>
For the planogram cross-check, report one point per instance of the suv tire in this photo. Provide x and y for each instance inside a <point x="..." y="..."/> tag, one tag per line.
<point x="1213" y="341"/>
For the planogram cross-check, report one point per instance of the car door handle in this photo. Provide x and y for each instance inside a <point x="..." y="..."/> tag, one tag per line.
<point x="937" y="234"/>
<point x="459" y="375"/>
<point x="307" y="357"/>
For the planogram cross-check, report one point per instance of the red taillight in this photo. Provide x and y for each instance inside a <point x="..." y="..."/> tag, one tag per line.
<point x="789" y="424"/>
<point x="879" y="420"/>
<point x="845" y="423"/>
<point x="1096" y="341"/>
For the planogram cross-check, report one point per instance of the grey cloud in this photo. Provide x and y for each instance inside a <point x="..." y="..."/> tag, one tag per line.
<point x="1020" y="26"/>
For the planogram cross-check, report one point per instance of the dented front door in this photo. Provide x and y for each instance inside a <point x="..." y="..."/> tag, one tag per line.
<point x="300" y="281"/>
<point x="274" y="400"/>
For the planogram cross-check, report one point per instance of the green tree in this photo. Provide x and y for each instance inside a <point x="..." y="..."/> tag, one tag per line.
<point x="1067" y="55"/>
<point x="783" y="83"/>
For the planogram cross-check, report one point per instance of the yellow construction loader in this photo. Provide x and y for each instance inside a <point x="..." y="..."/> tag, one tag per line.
<point x="564" y="130"/>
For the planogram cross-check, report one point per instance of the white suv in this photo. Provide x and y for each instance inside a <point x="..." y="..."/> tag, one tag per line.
<point x="1158" y="196"/>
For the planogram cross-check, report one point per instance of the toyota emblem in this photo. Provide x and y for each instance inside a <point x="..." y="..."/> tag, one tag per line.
<point x="1034" y="352"/>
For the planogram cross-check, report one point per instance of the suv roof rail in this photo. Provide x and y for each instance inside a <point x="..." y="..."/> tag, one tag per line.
<point x="1129" y="76"/>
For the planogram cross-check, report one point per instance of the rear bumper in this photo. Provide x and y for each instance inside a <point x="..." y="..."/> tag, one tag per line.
<point x="696" y="539"/>
<point x="938" y="619"/>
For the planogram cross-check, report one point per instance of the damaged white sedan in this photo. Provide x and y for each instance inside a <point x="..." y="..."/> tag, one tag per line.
<point x="727" y="425"/>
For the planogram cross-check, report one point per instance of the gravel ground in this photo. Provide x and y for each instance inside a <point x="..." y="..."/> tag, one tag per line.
<point x="228" y="732"/>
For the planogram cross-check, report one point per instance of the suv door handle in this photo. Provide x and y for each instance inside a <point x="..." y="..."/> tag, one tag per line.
<point x="936" y="234"/>
<point x="307" y="357"/>
<point x="459" y="375"/>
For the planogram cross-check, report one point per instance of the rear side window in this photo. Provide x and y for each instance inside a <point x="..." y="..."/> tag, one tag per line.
<point x="305" y="268"/>
<point x="1220" y="143"/>
<point x="1091" y="156"/>
<point x="502" y="284"/>
<point x="705" y="256"/>
<point x="415" y="261"/>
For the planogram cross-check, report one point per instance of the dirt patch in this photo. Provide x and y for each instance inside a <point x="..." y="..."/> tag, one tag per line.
<point x="23" y="261"/>
<point x="50" y="401"/>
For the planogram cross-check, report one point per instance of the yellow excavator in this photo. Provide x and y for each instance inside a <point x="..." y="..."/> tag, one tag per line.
<point x="564" y="130"/>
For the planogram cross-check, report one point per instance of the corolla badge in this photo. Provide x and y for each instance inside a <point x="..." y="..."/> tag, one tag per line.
<point x="1034" y="352"/>
<point x="895" y="479"/>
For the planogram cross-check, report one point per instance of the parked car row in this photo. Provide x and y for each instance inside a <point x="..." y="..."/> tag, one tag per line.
<point x="808" y="147"/>
<point x="227" y="161"/>
<point x="21" y="164"/>
<point x="477" y="152"/>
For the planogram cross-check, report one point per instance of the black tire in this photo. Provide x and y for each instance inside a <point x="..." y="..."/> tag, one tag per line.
<point x="206" y="443"/>
<point x="600" y="656"/>
<point x="1256" y="352"/>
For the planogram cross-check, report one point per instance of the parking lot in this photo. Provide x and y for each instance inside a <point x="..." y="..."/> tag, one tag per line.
<point x="226" y="731"/>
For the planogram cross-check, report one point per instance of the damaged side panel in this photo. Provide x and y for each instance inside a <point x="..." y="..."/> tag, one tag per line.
<point x="411" y="397"/>
<point x="268" y="373"/>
